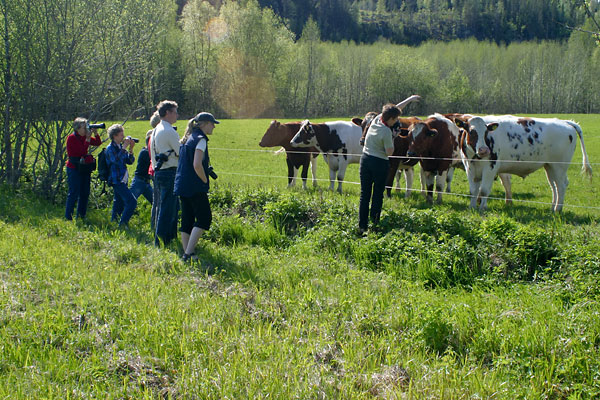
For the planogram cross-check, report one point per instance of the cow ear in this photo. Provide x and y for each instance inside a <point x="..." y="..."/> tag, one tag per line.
<point x="492" y="127"/>
<point x="432" y="132"/>
<point x="403" y="132"/>
<point x="357" y="121"/>
<point x="460" y="123"/>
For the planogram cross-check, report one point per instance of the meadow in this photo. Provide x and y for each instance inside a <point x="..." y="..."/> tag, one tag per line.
<point x="288" y="301"/>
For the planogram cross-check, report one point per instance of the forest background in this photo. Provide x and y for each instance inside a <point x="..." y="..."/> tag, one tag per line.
<point x="115" y="60"/>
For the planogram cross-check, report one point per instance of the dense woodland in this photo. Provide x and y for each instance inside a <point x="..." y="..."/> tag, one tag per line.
<point x="109" y="59"/>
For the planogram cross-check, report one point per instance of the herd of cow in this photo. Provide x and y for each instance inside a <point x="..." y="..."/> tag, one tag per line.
<point x="485" y="147"/>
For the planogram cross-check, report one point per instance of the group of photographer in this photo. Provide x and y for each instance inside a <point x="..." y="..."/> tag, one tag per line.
<point x="179" y="168"/>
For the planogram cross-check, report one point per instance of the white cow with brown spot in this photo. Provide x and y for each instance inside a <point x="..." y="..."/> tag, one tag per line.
<point x="508" y="144"/>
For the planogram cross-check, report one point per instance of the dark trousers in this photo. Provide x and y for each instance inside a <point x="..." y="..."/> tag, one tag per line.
<point x="141" y="187"/>
<point x="373" y="172"/>
<point x="79" y="192"/>
<point x="124" y="203"/>
<point x="167" y="206"/>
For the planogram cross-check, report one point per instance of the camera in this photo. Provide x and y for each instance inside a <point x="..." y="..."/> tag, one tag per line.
<point x="132" y="138"/>
<point x="96" y="126"/>
<point x="161" y="158"/>
<point x="211" y="172"/>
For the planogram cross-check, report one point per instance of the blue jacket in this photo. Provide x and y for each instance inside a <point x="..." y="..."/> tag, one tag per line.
<point x="187" y="182"/>
<point x="117" y="159"/>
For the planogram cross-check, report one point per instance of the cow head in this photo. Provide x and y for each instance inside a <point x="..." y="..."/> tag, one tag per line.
<point x="422" y="136"/>
<point x="305" y="137"/>
<point x="276" y="135"/>
<point x="474" y="139"/>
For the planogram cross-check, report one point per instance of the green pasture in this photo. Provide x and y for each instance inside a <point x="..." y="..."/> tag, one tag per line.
<point x="288" y="301"/>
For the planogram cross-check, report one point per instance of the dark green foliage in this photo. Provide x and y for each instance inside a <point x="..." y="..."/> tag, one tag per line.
<point x="411" y="22"/>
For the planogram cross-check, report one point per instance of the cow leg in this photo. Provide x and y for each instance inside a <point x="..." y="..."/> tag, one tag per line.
<point x="449" y="177"/>
<point x="557" y="178"/>
<point x="313" y="164"/>
<point x="429" y="179"/>
<point x="291" y="173"/>
<point x="409" y="175"/>
<point x="439" y="185"/>
<point x="331" y="178"/>
<point x="398" y="180"/>
<point x="485" y="187"/>
<point x="304" y="174"/>
<point x="423" y="183"/>
<point x="340" y="175"/>
<point x="505" y="179"/>
<point x="389" y="181"/>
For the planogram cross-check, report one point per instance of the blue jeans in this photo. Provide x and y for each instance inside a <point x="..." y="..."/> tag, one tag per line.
<point x="79" y="192"/>
<point x="141" y="187"/>
<point x="373" y="172"/>
<point x="124" y="204"/>
<point x="167" y="206"/>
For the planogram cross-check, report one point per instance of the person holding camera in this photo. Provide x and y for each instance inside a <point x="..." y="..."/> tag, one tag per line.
<point x="165" y="157"/>
<point x="140" y="185"/>
<point x="117" y="158"/>
<point x="374" y="165"/>
<point x="192" y="184"/>
<point x="80" y="165"/>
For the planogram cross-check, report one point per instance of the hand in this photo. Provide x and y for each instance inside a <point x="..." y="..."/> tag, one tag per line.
<point x="94" y="131"/>
<point x="131" y="144"/>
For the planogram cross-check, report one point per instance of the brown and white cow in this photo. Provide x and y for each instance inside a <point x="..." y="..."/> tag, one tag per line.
<point x="337" y="140"/>
<point x="520" y="146"/>
<point x="279" y="134"/>
<point x="435" y="142"/>
<point x="399" y="162"/>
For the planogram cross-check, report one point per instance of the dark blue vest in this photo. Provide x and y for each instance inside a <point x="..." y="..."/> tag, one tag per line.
<point x="187" y="182"/>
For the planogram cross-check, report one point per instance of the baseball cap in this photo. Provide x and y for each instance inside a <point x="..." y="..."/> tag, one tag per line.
<point x="205" y="116"/>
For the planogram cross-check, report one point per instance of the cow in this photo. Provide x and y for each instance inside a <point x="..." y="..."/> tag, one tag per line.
<point x="279" y="134"/>
<point x="460" y="121"/>
<point x="434" y="142"/>
<point x="519" y="146"/>
<point x="337" y="140"/>
<point x="398" y="161"/>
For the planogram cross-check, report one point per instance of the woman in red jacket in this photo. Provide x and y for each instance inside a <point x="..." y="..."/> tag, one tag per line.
<point x="80" y="166"/>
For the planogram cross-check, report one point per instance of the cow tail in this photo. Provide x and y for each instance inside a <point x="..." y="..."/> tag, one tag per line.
<point x="586" y="167"/>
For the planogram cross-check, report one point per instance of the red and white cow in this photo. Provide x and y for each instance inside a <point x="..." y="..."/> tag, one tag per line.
<point x="279" y="134"/>
<point x="339" y="141"/>
<point x="399" y="163"/>
<point x="435" y="144"/>
<point x="519" y="146"/>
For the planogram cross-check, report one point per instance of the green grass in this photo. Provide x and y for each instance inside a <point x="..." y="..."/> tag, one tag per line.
<point x="440" y="302"/>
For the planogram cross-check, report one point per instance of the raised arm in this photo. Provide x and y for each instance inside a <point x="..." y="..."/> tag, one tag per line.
<point x="408" y="100"/>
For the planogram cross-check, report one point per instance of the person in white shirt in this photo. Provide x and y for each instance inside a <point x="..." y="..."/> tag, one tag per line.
<point x="165" y="157"/>
<point x="374" y="165"/>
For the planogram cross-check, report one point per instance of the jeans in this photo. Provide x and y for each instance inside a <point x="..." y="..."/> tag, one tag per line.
<point x="124" y="204"/>
<point x="79" y="192"/>
<point x="167" y="207"/>
<point x="141" y="187"/>
<point x="373" y="172"/>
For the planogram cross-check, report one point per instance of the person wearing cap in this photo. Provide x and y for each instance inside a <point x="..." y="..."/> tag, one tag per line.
<point x="165" y="144"/>
<point x="192" y="182"/>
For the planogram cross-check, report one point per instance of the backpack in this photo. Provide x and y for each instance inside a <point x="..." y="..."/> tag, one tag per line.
<point x="103" y="170"/>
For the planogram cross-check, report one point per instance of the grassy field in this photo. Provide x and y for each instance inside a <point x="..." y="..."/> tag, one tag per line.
<point x="288" y="302"/>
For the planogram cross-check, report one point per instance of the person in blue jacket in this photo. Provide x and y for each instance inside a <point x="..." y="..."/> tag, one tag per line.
<point x="192" y="184"/>
<point x="117" y="158"/>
